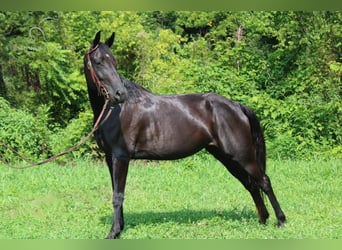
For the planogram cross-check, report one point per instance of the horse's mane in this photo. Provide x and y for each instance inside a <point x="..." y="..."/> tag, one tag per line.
<point x="135" y="91"/>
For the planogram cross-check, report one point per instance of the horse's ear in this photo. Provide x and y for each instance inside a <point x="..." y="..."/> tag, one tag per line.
<point x="110" y="40"/>
<point x="96" y="39"/>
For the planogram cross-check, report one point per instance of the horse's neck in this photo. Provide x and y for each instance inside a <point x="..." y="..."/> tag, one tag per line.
<point x="96" y="103"/>
<point x="136" y="93"/>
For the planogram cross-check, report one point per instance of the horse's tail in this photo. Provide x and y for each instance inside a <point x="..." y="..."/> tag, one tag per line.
<point x="258" y="137"/>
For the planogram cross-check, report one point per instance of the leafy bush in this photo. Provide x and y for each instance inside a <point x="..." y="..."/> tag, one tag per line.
<point x="31" y="137"/>
<point x="65" y="138"/>
<point x="285" y="65"/>
<point x="23" y="132"/>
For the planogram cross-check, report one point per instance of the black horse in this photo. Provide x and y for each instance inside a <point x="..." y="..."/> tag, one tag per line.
<point x="143" y="125"/>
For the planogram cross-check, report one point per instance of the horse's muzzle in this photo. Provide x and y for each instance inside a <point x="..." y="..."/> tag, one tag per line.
<point x="120" y="96"/>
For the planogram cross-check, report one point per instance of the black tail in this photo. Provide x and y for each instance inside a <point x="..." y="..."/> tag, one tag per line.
<point x="258" y="137"/>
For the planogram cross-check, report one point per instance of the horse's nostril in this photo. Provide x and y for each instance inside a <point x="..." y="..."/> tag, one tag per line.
<point x="120" y="95"/>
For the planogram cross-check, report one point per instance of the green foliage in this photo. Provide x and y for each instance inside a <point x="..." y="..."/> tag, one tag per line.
<point x="41" y="65"/>
<point x="23" y="132"/>
<point x="65" y="138"/>
<point x="284" y="65"/>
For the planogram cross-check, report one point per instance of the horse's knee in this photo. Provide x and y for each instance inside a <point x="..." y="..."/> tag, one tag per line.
<point x="265" y="184"/>
<point x="118" y="199"/>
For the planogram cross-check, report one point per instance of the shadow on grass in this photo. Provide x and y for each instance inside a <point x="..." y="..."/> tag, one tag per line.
<point x="183" y="216"/>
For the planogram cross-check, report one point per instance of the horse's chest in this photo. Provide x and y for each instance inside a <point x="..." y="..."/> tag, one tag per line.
<point x="108" y="136"/>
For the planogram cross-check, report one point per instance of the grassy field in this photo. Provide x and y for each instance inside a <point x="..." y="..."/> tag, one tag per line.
<point x="189" y="199"/>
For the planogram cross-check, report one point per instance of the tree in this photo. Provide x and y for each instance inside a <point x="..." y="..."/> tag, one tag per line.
<point x="285" y="65"/>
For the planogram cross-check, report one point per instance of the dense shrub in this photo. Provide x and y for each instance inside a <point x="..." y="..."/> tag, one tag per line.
<point x="23" y="132"/>
<point x="31" y="136"/>
<point x="65" y="138"/>
<point x="285" y="65"/>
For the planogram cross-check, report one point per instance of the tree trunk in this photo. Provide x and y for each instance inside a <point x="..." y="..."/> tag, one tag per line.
<point x="3" y="89"/>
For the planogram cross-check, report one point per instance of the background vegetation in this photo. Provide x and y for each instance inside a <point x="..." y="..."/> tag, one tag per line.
<point x="285" y="65"/>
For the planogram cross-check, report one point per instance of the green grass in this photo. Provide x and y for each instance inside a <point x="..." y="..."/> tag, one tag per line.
<point x="189" y="199"/>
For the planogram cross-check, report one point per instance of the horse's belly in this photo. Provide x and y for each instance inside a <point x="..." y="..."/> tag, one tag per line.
<point x="174" y="144"/>
<point x="163" y="155"/>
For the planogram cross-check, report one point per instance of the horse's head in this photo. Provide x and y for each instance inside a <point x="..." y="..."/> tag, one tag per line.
<point x="100" y="69"/>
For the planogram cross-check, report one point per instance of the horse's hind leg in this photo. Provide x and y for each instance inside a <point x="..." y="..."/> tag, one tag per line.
<point x="248" y="182"/>
<point x="252" y="187"/>
<point x="265" y="184"/>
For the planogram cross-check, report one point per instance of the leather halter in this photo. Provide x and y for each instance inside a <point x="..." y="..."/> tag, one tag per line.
<point x="101" y="89"/>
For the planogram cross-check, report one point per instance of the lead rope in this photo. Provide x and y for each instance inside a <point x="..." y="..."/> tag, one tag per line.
<point x="84" y="140"/>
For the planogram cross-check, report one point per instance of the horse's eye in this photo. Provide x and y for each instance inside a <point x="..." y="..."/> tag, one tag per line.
<point x="97" y="62"/>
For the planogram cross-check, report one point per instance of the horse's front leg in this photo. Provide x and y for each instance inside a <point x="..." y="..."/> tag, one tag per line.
<point x="119" y="174"/>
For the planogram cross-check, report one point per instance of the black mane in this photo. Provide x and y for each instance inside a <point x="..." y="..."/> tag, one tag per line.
<point x="135" y="91"/>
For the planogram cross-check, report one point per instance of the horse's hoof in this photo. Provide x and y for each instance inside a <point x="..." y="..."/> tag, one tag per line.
<point x="280" y="224"/>
<point x="113" y="236"/>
